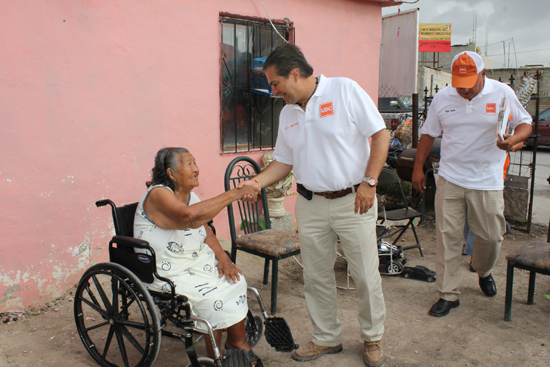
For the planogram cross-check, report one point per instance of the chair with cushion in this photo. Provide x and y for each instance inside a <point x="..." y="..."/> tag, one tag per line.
<point x="258" y="238"/>
<point x="389" y="182"/>
<point x="535" y="258"/>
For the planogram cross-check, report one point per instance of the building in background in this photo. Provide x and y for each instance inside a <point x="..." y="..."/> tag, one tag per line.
<point x="91" y="90"/>
<point x="399" y="54"/>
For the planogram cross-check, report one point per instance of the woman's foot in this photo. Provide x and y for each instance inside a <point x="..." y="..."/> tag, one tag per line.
<point x="243" y="355"/>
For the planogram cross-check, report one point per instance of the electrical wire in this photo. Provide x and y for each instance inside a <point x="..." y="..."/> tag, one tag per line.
<point x="523" y="52"/>
<point x="268" y="17"/>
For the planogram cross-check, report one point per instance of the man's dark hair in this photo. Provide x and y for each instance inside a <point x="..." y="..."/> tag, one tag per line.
<point x="287" y="57"/>
<point x="166" y="158"/>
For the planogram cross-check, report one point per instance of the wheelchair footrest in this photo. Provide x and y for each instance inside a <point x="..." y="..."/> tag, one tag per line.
<point x="235" y="358"/>
<point x="278" y="334"/>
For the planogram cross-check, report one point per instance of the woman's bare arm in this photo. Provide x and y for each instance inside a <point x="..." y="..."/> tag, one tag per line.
<point x="168" y="212"/>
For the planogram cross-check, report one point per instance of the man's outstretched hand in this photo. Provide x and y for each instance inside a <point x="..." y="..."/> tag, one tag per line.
<point x="252" y="189"/>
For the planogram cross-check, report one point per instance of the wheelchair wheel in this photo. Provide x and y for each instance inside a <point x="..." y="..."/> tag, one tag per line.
<point x="204" y="362"/>
<point x="116" y="317"/>
<point x="254" y="336"/>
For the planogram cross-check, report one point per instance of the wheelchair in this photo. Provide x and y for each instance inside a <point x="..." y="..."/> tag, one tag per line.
<point x="121" y="322"/>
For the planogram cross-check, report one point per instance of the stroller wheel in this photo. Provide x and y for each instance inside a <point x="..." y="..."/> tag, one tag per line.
<point x="395" y="268"/>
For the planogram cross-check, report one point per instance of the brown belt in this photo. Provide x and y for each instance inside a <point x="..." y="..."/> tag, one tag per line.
<point x="337" y="194"/>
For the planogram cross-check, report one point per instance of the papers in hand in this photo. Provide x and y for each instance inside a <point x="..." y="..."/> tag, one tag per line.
<point x="503" y="117"/>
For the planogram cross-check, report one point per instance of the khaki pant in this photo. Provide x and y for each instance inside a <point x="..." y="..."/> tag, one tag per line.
<point x="320" y="223"/>
<point x="485" y="213"/>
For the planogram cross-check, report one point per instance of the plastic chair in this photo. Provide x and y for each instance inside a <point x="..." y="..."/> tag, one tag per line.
<point x="258" y="238"/>
<point x="388" y="178"/>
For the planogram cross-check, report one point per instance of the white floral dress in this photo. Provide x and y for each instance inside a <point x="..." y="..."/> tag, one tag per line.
<point x="183" y="257"/>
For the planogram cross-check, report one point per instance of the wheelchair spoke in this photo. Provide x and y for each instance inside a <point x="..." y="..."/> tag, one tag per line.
<point x="97" y="326"/>
<point x="135" y="325"/>
<point x="103" y="296"/>
<point x="108" y="341"/>
<point x="126" y="305"/>
<point x="114" y="290"/>
<point x="121" y="347"/>
<point x="95" y="306"/>
<point x="131" y="338"/>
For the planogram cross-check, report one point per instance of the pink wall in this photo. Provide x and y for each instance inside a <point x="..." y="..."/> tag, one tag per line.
<point x="90" y="90"/>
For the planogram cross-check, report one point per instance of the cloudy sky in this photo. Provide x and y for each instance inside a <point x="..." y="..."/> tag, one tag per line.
<point x="527" y="22"/>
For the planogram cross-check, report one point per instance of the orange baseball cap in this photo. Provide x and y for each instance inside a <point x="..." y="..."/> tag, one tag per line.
<point x="466" y="66"/>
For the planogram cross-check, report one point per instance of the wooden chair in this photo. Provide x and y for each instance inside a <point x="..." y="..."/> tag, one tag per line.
<point x="258" y="238"/>
<point x="388" y="178"/>
<point x="535" y="258"/>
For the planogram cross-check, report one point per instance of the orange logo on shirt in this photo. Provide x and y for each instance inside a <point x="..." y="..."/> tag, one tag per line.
<point x="327" y="109"/>
<point x="491" y="108"/>
<point x="290" y="126"/>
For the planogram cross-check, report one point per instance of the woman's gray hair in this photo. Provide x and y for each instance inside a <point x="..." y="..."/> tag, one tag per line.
<point x="165" y="158"/>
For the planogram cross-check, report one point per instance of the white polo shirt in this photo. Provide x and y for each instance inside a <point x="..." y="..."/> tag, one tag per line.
<point x="470" y="157"/>
<point x="327" y="144"/>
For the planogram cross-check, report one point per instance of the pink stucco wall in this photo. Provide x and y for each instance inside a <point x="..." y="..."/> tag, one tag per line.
<point x="90" y="90"/>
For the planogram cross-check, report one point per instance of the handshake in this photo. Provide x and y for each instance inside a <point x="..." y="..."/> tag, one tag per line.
<point x="249" y="189"/>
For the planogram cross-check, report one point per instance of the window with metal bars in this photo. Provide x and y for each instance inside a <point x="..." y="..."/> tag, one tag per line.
<point x="249" y="113"/>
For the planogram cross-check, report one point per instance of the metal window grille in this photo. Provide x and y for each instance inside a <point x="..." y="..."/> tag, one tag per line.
<point x="249" y="119"/>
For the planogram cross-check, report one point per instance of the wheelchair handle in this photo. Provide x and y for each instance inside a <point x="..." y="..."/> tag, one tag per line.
<point x="104" y="202"/>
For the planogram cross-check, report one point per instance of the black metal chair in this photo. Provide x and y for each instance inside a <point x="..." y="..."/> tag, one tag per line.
<point x="534" y="258"/>
<point x="121" y="322"/>
<point x="388" y="179"/>
<point x="258" y="238"/>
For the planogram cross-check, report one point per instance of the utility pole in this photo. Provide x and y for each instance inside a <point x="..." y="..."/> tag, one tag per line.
<point x="474" y="30"/>
<point x="486" y="40"/>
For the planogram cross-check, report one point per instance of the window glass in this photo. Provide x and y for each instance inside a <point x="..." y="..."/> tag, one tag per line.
<point x="250" y="115"/>
<point x="545" y="115"/>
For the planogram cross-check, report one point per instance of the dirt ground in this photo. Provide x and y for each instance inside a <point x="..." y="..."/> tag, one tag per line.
<point x="475" y="334"/>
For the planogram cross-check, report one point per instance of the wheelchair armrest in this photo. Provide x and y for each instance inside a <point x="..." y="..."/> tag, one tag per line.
<point x="130" y="241"/>
<point x="211" y="225"/>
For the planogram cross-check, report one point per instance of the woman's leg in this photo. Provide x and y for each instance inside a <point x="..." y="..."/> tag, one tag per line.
<point x="209" y="348"/>
<point x="236" y="337"/>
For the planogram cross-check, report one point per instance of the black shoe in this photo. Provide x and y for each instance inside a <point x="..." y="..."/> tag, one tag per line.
<point x="488" y="286"/>
<point x="442" y="307"/>
<point x="472" y="268"/>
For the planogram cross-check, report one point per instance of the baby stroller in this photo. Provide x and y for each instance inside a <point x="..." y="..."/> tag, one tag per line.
<point x="392" y="258"/>
<point x="121" y="322"/>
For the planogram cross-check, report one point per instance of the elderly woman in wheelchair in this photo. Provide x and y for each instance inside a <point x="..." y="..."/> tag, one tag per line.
<point x="172" y="219"/>
<point x="162" y="241"/>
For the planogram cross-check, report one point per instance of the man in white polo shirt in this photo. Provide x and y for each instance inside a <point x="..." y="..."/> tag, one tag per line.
<point x="470" y="181"/>
<point x="323" y="136"/>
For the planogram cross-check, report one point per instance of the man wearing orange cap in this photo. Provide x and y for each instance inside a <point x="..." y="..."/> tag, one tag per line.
<point x="470" y="184"/>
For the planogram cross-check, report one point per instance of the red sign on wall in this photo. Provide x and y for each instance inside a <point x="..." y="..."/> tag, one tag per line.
<point x="434" y="37"/>
<point x="434" y="46"/>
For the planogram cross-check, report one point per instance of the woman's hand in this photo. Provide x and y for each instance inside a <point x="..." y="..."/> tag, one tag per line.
<point x="252" y="188"/>
<point x="230" y="270"/>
